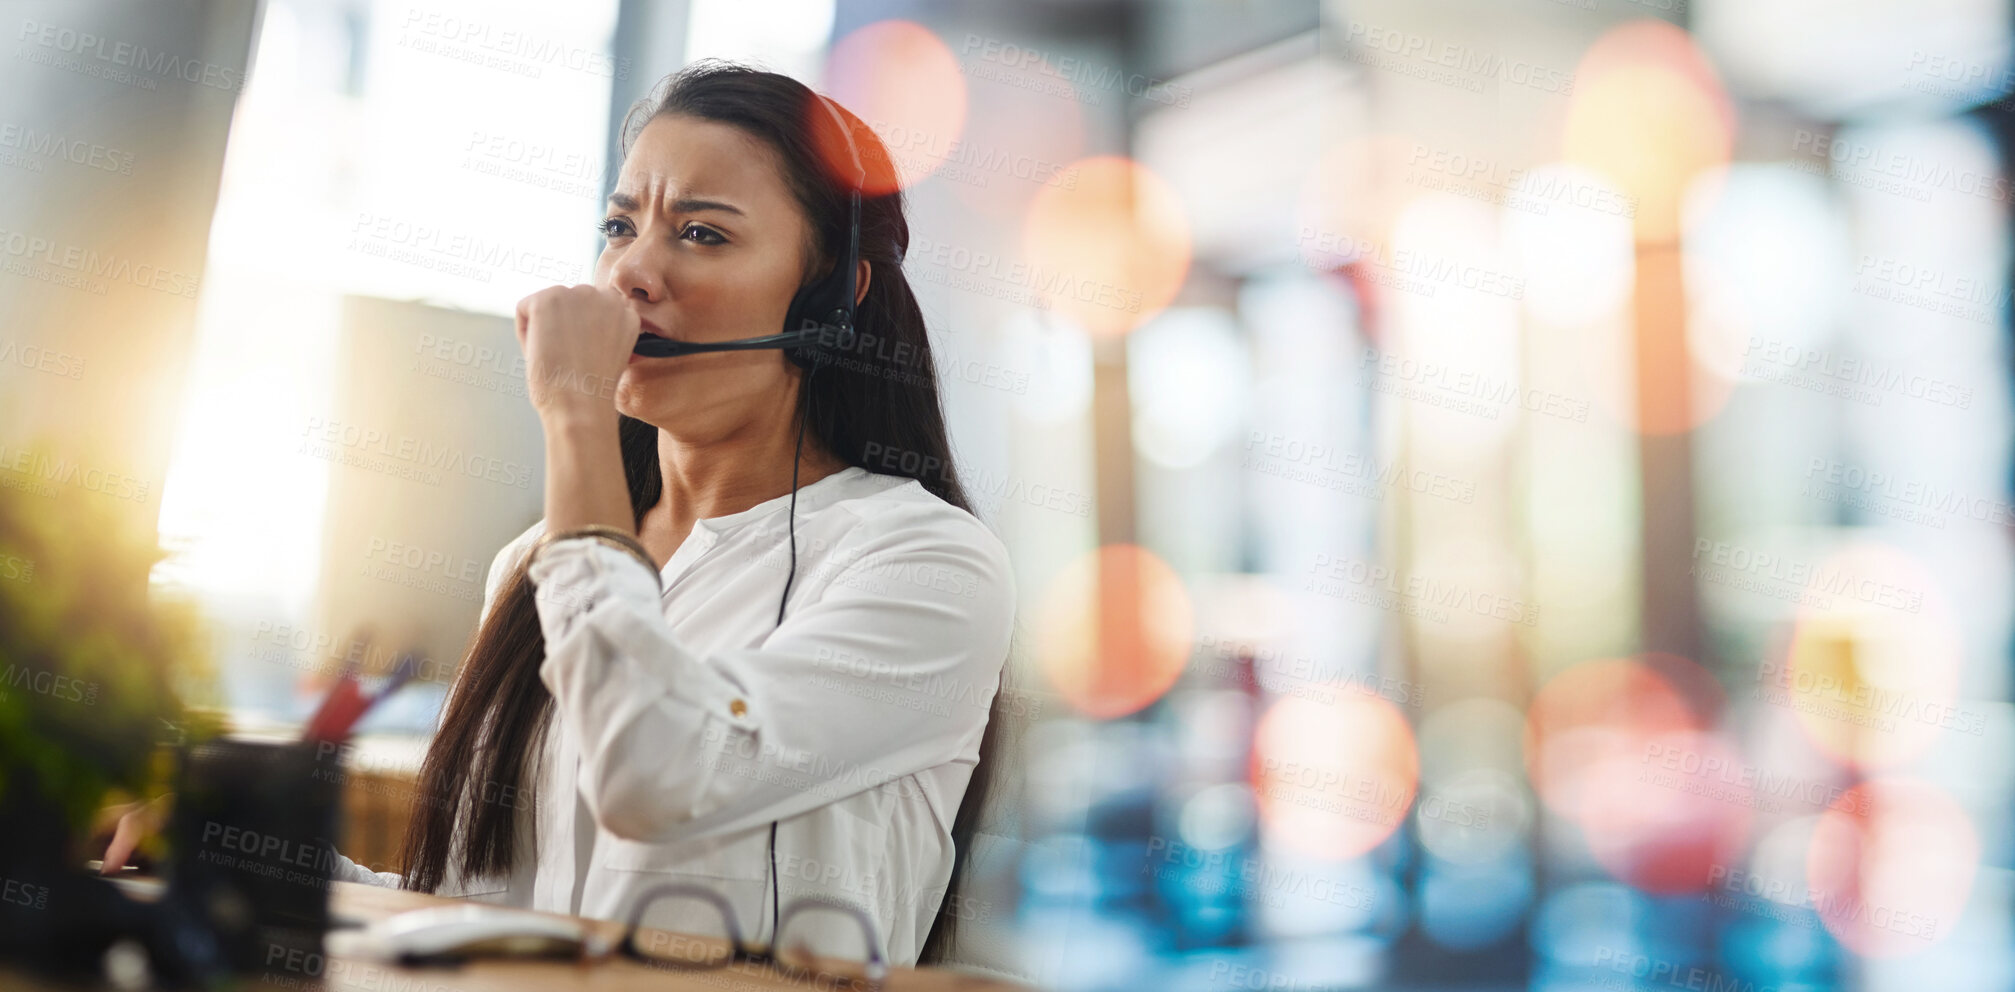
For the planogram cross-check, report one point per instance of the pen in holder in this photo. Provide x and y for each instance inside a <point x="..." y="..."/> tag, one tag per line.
<point x="254" y="839"/>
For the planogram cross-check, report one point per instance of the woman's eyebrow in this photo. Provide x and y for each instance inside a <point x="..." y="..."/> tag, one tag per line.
<point x="624" y="201"/>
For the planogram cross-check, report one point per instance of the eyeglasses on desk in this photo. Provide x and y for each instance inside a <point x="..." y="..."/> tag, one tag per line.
<point x="722" y="943"/>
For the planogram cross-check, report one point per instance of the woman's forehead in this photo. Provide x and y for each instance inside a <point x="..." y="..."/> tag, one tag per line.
<point x="684" y="157"/>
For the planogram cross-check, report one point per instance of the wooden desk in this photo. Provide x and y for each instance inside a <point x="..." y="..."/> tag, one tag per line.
<point x="370" y="903"/>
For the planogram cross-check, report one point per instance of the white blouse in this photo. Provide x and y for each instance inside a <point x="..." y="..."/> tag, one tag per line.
<point x="685" y="724"/>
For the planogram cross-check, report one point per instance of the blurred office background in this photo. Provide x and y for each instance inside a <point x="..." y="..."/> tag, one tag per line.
<point x="1505" y="493"/>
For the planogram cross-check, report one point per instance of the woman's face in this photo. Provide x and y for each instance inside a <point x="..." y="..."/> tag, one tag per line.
<point x="706" y="241"/>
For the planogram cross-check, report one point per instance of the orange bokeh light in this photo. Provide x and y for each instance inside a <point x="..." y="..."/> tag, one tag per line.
<point x="1334" y="779"/>
<point x="1650" y="113"/>
<point x="1891" y="866"/>
<point x="1111" y="251"/>
<point x="906" y="85"/>
<point x="1114" y="630"/>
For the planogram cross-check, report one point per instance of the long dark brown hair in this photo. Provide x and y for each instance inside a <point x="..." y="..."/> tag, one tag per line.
<point x="496" y="715"/>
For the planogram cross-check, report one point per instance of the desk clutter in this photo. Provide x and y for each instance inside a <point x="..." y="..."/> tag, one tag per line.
<point x="253" y="837"/>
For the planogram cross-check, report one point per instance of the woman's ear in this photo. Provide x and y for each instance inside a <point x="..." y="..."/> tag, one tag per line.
<point x="861" y="282"/>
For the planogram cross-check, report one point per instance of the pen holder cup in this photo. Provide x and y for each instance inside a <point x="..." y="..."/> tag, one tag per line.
<point x="253" y="833"/>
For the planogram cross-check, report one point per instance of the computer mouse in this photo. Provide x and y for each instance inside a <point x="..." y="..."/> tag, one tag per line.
<point x="454" y="933"/>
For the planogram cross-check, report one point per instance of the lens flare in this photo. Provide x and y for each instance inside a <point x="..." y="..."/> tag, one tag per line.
<point x="1110" y="251"/>
<point x="1891" y="866"/>
<point x="1114" y="630"/>
<point x="901" y="81"/>
<point x="1649" y="112"/>
<point x="1334" y="778"/>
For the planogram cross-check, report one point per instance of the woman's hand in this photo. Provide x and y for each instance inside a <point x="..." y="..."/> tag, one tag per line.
<point x="129" y="824"/>
<point x="576" y="340"/>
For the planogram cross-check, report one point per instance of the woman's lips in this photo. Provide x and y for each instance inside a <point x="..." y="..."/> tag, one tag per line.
<point x="651" y="329"/>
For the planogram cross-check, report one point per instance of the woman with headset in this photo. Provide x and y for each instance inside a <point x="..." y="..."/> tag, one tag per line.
<point x="734" y="653"/>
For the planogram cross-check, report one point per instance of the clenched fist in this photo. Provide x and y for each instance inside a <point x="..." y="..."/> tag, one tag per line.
<point x="576" y="341"/>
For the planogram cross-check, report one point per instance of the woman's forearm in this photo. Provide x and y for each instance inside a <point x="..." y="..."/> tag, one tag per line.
<point x="584" y="472"/>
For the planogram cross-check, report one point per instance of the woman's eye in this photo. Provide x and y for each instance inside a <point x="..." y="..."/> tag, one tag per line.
<point x="613" y="227"/>
<point x="706" y="235"/>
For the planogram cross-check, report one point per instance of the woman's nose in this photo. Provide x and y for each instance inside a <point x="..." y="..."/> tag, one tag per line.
<point x="640" y="273"/>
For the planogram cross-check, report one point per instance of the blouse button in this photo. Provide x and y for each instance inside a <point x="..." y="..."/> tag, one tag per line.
<point x="738" y="708"/>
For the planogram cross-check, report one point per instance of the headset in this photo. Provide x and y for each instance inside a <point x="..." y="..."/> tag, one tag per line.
<point x="818" y="328"/>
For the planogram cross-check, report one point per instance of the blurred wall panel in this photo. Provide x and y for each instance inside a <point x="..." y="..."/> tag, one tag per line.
<point x="112" y="125"/>
<point x="435" y="462"/>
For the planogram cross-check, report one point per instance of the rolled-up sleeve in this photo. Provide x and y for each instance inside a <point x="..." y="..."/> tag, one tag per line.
<point x="345" y="870"/>
<point x="888" y="671"/>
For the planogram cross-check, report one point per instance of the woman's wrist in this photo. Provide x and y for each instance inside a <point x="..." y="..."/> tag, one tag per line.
<point x="584" y="415"/>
